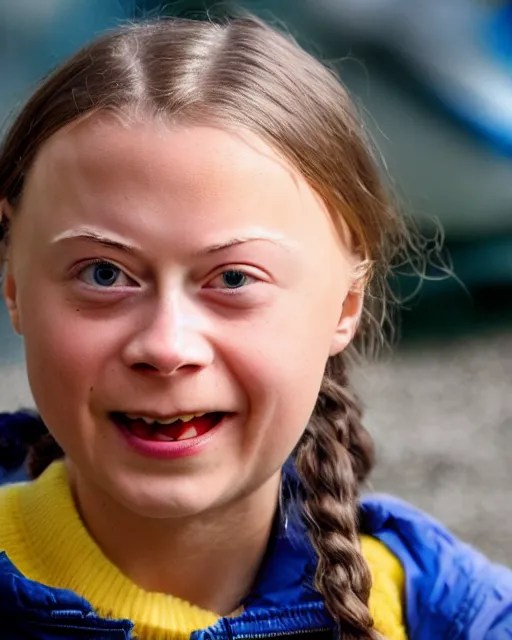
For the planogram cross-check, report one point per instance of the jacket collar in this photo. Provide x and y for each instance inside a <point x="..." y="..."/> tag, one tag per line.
<point x="284" y="585"/>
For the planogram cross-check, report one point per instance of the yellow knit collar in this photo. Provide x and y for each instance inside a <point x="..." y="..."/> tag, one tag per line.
<point x="59" y="552"/>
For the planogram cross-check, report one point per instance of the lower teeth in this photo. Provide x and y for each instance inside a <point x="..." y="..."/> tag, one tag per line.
<point x="161" y="434"/>
<point x="189" y="433"/>
<point x="162" y="438"/>
<point x="166" y="433"/>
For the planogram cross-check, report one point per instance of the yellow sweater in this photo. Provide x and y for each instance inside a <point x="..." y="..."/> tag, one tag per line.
<point x="42" y="534"/>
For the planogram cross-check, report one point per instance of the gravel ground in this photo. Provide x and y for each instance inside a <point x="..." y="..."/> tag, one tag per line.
<point x="441" y="414"/>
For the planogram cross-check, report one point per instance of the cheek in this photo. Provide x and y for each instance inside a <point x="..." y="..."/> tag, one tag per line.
<point x="65" y="351"/>
<point x="279" y="361"/>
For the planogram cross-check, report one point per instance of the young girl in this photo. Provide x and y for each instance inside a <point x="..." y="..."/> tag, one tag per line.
<point x="194" y="234"/>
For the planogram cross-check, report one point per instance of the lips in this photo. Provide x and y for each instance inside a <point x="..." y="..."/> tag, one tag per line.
<point x="177" y="428"/>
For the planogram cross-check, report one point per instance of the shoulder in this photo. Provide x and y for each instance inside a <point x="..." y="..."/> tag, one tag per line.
<point x="386" y="602"/>
<point x="9" y="519"/>
<point x="451" y="590"/>
<point x="8" y="493"/>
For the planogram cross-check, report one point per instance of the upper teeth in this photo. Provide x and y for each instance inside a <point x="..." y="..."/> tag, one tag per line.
<point x="148" y="420"/>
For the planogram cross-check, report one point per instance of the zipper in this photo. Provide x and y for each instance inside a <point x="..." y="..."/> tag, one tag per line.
<point x="283" y="634"/>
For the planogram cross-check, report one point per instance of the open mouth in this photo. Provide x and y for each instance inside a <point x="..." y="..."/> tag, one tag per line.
<point x="173" y="429"/>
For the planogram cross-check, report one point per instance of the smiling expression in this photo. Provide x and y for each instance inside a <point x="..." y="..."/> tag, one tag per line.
<point x="161" y="271"/>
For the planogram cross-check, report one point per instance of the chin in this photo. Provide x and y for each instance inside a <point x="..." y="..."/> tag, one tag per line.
<point x="163" y="498"/>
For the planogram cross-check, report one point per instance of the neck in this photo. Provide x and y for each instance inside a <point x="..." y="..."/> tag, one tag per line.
<point x="210" y="560"/>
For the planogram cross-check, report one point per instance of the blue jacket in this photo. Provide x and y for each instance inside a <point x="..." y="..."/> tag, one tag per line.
<point x="452" y="591"/>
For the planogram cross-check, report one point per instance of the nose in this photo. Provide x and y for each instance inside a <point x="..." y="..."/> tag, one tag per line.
<point x="170" y="340"/>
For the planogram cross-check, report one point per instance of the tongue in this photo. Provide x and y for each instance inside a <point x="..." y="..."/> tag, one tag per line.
<point x="192" y="429"/>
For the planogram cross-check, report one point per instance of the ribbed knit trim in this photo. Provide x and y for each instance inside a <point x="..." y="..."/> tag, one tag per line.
<point x="46" y="540"/>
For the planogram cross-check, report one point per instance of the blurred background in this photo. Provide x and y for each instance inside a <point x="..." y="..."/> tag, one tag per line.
<point x="433" y="82"/>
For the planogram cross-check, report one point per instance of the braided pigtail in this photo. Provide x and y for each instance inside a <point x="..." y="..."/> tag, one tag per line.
<point x="24" y="439"/>
<point x="334" y="455"/>
<point x="42" y="453"/>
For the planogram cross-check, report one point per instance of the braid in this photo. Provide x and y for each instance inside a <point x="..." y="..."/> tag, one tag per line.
<point x="42" y="453"/>
<point x="24" y="438"/>
<point x="333" y="456"/>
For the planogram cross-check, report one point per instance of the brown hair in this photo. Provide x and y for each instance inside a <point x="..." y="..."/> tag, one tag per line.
<point x="240" y="72"/>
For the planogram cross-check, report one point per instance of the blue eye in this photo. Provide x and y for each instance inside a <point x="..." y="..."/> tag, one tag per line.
<point x="103" y="274"/>
<point x="234" y="279"/>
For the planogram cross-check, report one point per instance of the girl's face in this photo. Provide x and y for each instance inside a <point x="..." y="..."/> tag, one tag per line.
<point x="171" y="271"/>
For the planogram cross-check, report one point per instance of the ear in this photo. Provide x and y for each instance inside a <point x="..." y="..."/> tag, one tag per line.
<point x="349" y="320"/>
<point x="10" y="297"/>
<point x="9" y="283"/>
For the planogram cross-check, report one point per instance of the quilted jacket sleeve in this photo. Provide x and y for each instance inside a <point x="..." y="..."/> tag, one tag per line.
<point x="489" y="610"/>
<point x="452" y="592"/>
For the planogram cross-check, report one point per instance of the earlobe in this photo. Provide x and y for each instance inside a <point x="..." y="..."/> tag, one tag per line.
<point x="348" y="322"/>
<point x="10" y="296"/>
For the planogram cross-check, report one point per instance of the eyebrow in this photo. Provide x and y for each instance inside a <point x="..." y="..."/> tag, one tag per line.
<point x="274" y="239"/>
<point x="86" y="234"/>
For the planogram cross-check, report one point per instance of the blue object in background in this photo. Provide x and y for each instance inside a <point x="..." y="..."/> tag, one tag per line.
<point x="15" y="429"/>
<point x="500" y="34"/>
<point x="20" y="475"/>
<point x="458" y="51"/>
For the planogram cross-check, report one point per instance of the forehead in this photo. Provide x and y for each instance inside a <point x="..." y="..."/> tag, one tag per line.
<point x="100" y="168"/>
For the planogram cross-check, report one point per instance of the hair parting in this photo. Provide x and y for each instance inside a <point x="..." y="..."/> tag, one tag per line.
<point x="241" y="73"/>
